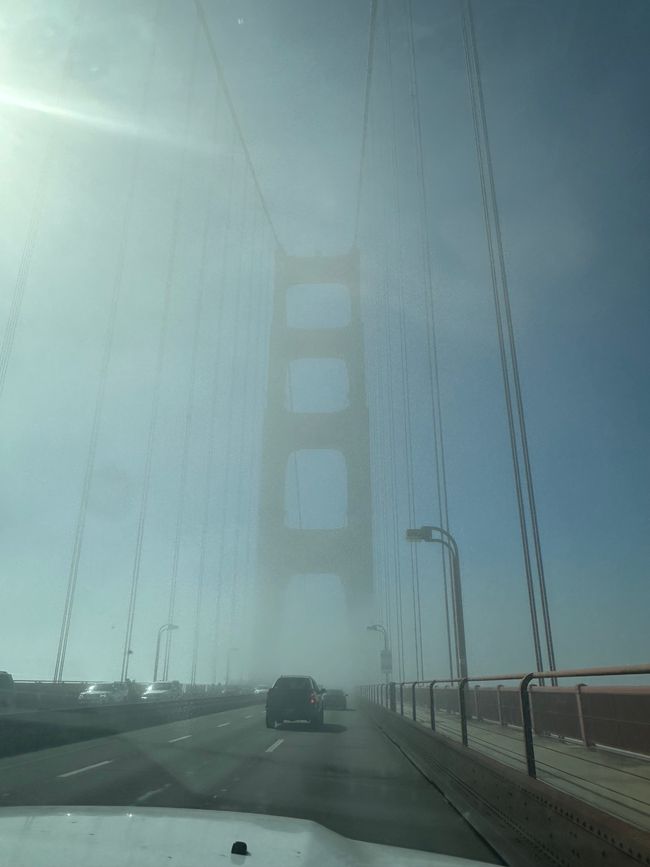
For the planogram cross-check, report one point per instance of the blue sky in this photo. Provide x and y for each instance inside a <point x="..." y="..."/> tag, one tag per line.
<point x="567" y="101"/>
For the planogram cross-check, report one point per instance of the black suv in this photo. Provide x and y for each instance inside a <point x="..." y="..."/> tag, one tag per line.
<point x="295" y="697"/>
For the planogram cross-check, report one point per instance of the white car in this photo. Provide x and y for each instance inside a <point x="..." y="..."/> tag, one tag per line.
<point x="105" y="693"/>
<point x="30" y="836"/>
<point x="162" y="691"/>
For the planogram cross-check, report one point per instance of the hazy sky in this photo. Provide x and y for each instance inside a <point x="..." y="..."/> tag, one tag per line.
<point x="121" y="171"/>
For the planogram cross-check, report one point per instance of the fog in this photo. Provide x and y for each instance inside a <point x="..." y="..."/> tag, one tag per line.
<point x="165" y="443"/>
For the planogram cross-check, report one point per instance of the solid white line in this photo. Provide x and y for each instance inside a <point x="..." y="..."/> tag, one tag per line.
<point x="275" y="745"/>
<point x="221" y="725"/>
<point x="182" y="738"/>
<point x="87" y="768"/>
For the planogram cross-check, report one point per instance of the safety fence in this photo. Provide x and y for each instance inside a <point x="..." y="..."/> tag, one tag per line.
<point x="615" y="717"/>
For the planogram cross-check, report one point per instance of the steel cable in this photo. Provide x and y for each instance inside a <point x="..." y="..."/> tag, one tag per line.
<point x="158" y="370"/>
<point x="42" y="183"/>
<point x="485" y="179"/>
<point x="107" y="352"/>
<point x="513" y="350"/>
<point x="235" y="119"/>
<point x="397" y="232"/>
<point x="432" y="342"/>
<point x="372" y="22"/>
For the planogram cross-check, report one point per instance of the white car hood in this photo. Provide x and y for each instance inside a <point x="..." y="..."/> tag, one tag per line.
<point x="151" y="837"/>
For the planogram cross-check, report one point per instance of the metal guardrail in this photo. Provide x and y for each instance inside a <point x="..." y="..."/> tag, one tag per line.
<point x="391" y="696"/>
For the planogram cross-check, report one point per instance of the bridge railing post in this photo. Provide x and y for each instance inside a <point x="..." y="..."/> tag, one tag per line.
<point x="432" y="705"/>
<point x="581" y="715"/>
<point x="499" y="704"/>
<point x="413" y="702"/>
<point x="527" y="723"/>
<point x="393" y="697"/>
<point x="401" y="698"/>
<point x="462" y="709"/>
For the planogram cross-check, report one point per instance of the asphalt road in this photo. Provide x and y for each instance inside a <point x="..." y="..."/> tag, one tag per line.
<point x="347" y="776"/>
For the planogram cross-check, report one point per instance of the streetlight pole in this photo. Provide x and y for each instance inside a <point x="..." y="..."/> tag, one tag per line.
<point x="377" y="627"/>
<point x="425" y="534"/>
<point x="230" y="651"/>
<point x="164" y="628"/>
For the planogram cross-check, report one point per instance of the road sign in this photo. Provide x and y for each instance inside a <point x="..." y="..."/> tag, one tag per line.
<point x="386" y="661"/>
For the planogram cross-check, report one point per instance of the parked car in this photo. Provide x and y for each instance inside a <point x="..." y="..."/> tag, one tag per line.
<point x="170" y="690"/>
<point x="295" y="697"/>
<point x="260" y="690"/>
<point x="105" y="693"/>
<point x="336" y="699"/>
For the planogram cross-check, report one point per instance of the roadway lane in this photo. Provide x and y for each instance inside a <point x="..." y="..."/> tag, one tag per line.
<point x="348" y="777"/>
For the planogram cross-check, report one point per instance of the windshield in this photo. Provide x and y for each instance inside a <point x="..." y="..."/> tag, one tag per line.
<point x="325" y="358"/>
<point x="293" y="683"/>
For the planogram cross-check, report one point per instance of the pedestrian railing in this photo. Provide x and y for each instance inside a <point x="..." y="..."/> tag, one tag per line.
<point x="609" y="716"/>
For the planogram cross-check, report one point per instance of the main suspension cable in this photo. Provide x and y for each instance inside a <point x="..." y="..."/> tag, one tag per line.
<point x="372" y="23"/>
<point x="235" y="119"/>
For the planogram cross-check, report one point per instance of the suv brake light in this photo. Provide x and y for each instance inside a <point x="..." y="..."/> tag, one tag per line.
<point x="312" y="697"/>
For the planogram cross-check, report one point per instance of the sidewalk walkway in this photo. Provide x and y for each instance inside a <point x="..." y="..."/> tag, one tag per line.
<point x="617" y="783"/>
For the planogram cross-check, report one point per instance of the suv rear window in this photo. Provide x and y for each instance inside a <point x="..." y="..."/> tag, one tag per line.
<point x="293" y="683"/>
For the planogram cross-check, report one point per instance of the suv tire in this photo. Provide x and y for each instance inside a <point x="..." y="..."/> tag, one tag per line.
<point x="270" y="722"/>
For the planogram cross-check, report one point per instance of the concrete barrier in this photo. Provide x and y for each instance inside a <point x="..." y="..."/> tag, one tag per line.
<point x="27" y="731"/>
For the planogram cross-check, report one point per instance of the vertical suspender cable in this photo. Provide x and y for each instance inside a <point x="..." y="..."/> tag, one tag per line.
<point x="157" y="384"/>
<point x="404" y="365"/>
<point x="227" y="476"/>
<point x="432" y="342"/>
<point x="123" y="240"/>
<point x="42" y="183"/>
<point x="245" y="344"/>
<point x="227" y="234"/>
<point x="513" y="355"/>
<point x="509" y="365"/>
<point x="187" y="432"/>
<point x="209" y="464"/>
<point x="255" y="408"/>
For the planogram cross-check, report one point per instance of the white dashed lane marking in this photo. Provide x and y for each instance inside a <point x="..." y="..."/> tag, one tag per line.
<point x="87" y="768"/>
<point x="221" y="725"/>
<point x="275" y="745"/>
<point x="181" y="738"/>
